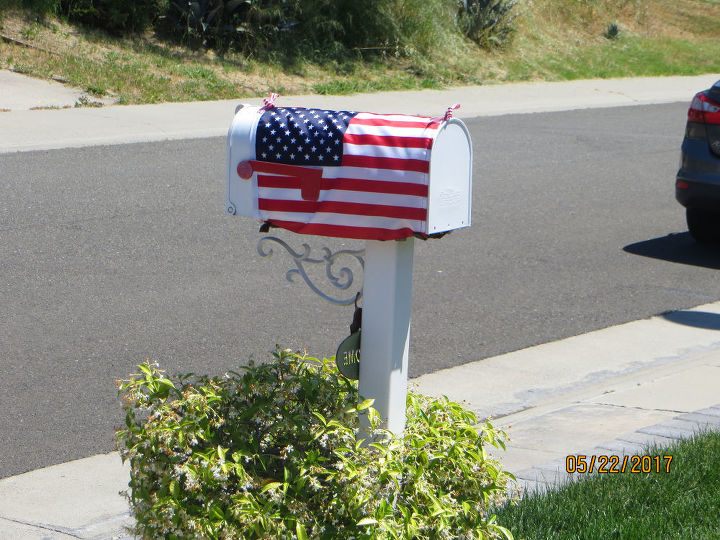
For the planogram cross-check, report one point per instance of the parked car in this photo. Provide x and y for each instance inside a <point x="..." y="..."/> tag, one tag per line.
<point x="697" y="186"/>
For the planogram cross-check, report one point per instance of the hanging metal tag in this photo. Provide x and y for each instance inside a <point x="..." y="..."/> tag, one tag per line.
<point x="347" y="357"/>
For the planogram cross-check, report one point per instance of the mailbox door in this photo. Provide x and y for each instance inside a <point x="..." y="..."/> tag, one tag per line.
<point x="450" y="190"/>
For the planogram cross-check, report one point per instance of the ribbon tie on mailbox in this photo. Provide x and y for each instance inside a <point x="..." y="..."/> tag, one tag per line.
<point x="449" y="111"/>
<point x="270" y="100"/>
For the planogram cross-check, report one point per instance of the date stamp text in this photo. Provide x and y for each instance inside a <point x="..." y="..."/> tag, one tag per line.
<point x="609" y="464"/>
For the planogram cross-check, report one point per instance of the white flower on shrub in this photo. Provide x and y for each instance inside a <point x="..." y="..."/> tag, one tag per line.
<point x="218" y="473"/>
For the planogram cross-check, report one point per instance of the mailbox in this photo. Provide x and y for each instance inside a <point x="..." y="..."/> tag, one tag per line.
<point x="347" y="174"/>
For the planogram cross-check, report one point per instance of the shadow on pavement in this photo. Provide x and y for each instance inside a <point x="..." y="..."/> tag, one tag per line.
<point x="679" y="248"/>
<point x="696" y="319"/>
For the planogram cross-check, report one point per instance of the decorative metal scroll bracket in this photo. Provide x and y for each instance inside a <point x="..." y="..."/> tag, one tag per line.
<point x="342" y="279"/>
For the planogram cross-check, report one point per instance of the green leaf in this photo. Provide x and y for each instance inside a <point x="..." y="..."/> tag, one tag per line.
<point x="300" y="531"/>
<point x="320" y="417"/>
<point x="166" y="382"/>
<point x="238" y="455"/>
<point x="270" y="485"/>
<point x="366" y="521"/>
<point x="366" y="404"/>
<point x="216" y="511"/>
<point x="175" y="489"/>
<point x="145" y="369"/>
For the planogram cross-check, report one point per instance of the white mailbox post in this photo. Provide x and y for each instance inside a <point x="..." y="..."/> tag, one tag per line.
<point x="383" y="178"/>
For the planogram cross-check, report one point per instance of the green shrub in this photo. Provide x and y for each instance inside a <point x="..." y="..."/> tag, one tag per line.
<point x="274" y="453"/>
<point x="334" y="28"/>
<point x="612" y="32"/>
<point x="39" y="7"/>
<point x="210" y="23"/>
<point x="426" y="27"/>
<point x="487" y="22"/>
<point x="315" y="28"/>
<point x="115" y="16"/>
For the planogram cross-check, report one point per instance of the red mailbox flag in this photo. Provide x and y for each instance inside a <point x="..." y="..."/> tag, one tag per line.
<point x="343" y="174"/>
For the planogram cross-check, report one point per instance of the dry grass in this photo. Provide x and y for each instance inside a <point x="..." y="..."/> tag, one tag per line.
<point x="566" y="39"/>
<point x="588" y="19"/>
<point x="145" y="69"/>
<point x="58" y="48"/>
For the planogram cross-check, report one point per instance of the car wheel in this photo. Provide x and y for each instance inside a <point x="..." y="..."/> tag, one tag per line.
<point x="704" y="225"/>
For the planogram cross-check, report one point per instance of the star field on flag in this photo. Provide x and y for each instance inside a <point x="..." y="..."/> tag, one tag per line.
<point x="299" y="136"/>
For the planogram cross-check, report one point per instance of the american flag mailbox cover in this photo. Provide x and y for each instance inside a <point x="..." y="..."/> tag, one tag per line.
<point x="348" y="174"/>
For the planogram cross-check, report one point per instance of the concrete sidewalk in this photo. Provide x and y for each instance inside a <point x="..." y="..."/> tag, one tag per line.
<point x="20" y="92"/>
<point x="612" y="391"/>
<point x="23" y="130"/>
<point x="609" y="391"/>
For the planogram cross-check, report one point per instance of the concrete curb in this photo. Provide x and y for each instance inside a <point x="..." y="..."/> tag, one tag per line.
<point x="78" y="499"/>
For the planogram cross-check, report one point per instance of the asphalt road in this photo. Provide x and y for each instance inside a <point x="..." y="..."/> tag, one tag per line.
<point x="109" y="255"/>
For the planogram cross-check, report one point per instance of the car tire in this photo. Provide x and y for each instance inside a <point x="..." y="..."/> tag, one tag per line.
<point x="704" y="225"/>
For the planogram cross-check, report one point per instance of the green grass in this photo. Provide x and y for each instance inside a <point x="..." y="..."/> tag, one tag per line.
<point x="682" y="504"/>
<point x="353" y="86"/>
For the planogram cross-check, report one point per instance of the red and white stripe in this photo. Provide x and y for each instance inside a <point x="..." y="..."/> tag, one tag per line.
<point x="379" y="192"/>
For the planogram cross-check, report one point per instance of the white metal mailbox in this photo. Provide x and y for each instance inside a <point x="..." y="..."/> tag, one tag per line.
<point x="347" y="174"/>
